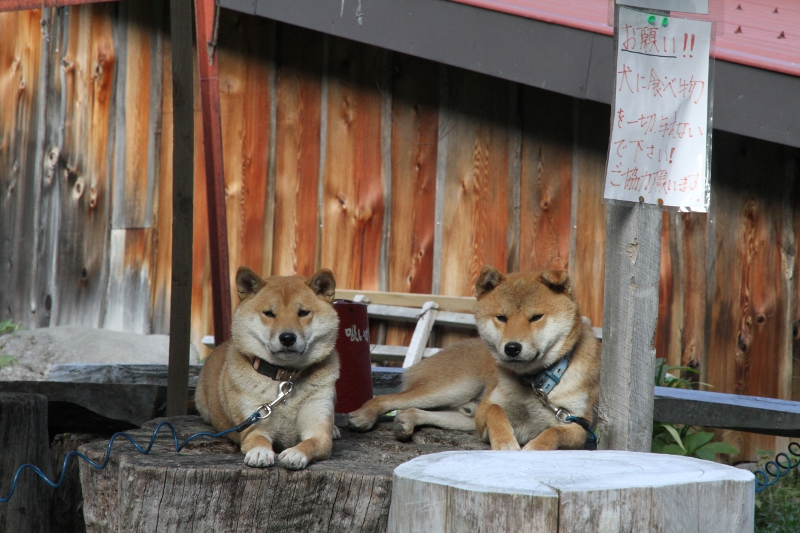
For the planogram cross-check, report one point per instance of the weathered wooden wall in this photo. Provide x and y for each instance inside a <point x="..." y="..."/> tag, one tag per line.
<point x="398" y="173"/>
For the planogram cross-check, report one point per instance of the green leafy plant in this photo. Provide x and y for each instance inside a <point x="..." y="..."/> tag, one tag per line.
<point x="682" y="439"/>
<point x="8" y="326"/>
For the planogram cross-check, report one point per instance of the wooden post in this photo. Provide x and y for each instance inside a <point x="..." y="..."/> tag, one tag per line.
<point x="24" y="439"/>
<point x="630" y="310"/>
<point x="182" y="206"/>
<point x="207" y="22"/>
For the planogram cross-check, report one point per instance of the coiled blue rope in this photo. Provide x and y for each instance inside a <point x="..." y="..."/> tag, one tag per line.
<point x="178" y="447"/>
<point x="776" y="469"/>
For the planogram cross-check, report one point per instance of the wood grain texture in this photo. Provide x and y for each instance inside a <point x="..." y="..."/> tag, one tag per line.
<point x="20" y="98"/>
<point x="693" y="261"/>
<point x="352" y="215"/>
<point x="24" y="440"/>
<point x="138" y="113"/>
<point x="245" y="60"/>
<point x="296" y="218"/>
<point x="475" y="217"/>
<point x="414" y="142"/>
<point x="670" y="297"/>
<point x="87" y="70"/>
<point x="747" y="290"/>
<point x="546" y="188"/>
<point x="588" y="265"/>
<point x="350" y="492"/>
<point x="629" y="321"/>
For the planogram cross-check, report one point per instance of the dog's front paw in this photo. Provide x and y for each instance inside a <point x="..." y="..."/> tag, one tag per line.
<point x="293" y="459"/>
<point x="510" y="445"/>
<point x="260" y="457"/>
<point x="336" y="433"/>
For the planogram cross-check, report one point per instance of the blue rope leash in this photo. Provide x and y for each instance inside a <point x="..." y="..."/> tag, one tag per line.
<point x="776" y="469"/>
<point x="178" y="447"/>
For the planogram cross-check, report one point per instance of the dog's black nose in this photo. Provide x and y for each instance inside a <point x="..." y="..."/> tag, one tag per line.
<point x="287" y="339"/>
<point x="513" y="349"/>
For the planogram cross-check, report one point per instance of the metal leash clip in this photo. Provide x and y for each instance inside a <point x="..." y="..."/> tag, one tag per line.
<point x="284" y="389"/>
<point x="265" y="410"/>
<point x="561" y="414"/>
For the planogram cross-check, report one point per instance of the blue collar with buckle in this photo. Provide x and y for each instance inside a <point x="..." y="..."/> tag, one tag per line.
<point x="547" y="379"/>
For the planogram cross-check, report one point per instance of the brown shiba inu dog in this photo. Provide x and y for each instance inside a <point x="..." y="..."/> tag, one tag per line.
<point x="532" y="337"/>
<point x="284" y="330"/>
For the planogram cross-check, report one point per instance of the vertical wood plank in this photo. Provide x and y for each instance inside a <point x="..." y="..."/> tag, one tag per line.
<point x="137" y="113"/>
<point x="793" y="165"/>
<point x="415" y="133"/>
<point x="546" y="189"/>
<point x="244" y="66"/>
<point x="20" y="57"/>
<point x="746" y="352"/>
<point x="49" y="150"/>
<point x="183" y="129"/>
<point x="297" y="151"/>
<point x="589" y="164"/>
<point x="475" y="191"/>
<point x="161" y="290"/>
<point x="670" y="295"/>
<point x="353" y="188"/>
<point x="137" y="152"/>
<point x="693" y="342"/>
<point x="87" y="66"/>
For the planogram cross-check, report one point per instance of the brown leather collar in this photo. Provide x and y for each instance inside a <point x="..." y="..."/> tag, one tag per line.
<point x="272" y="371"/>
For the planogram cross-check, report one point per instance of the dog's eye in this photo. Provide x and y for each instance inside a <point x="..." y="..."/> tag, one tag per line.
<point x="534" y="318"/>
<point x="269" y="314"/>
<point x="502" y="318"/>
<point x="301" y="313"/>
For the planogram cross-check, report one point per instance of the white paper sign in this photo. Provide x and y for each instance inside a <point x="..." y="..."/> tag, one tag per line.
<point x="659" y="131"/>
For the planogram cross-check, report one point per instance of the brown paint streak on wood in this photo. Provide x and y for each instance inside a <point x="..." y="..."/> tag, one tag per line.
<point x="476" y="183"/>
<point x="588" y="270"/>
<point x="546" y="189"/>
<point x="244" y="65"/>
<point x="297" y="152"/>
<point x="415" y="132"/>
<point x="353" y="190"/>
<point x="670" y="299"/>
<point x="137" y="112"/>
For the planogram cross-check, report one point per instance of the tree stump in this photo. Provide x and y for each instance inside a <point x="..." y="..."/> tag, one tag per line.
<point x="24" y="439"/>
<point x="208" y="488"/>
<point x="570" y="491"/>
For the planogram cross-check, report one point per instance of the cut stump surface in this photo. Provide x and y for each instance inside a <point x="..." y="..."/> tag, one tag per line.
<point x="570" y="492"/>
<point x="208" y="488"/>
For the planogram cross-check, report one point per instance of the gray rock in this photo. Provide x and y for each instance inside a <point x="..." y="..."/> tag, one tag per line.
<point x="27" y="355"/>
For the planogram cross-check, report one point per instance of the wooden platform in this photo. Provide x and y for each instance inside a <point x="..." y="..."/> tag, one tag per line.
<point x="570" y="492"/>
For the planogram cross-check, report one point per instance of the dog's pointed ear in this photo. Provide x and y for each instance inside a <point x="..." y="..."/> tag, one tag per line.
<point x="248" y="282"/>
<point x="487" y="281"/>
<point x="323" y="284"/>
<point x="558" y="280"/>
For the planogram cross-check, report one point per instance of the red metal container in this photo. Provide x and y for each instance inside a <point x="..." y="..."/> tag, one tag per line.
<point x="355" y="377"/>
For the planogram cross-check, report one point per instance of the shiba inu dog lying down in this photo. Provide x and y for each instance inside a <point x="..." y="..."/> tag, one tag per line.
<point x="532" y="337"/>
<point x="283" y="331"/>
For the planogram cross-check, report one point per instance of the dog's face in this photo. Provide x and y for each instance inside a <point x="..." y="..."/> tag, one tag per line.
<point x="288" y="321"/>
<point x="525" y="318"/>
